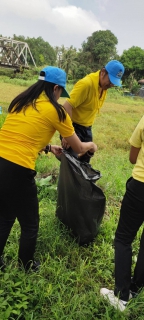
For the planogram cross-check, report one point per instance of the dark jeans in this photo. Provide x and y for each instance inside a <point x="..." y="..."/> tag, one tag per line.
<point x="85" y="135"/>
<point x="131" y="218"/>
<point x="18" y="199"/>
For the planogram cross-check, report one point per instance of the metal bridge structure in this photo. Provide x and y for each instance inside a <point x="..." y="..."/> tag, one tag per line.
<point x="14" y="54"/>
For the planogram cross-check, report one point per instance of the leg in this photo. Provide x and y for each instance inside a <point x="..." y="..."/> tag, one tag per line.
<point x="19" y="199"/>
<point x="85" y="135"/>
<point x="131" y="218"/>
<point x="138" y="278"/>
<point x="28" y="218"/>
<point x="7" y="214"/>
<point x="5" y="228"/>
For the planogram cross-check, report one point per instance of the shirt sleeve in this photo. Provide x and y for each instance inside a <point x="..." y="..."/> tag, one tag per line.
<point x="138" y="135"/>
<point x="65" y="128"/>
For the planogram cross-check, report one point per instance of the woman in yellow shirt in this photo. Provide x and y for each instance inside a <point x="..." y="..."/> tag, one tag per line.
<point x="33" y="118"/>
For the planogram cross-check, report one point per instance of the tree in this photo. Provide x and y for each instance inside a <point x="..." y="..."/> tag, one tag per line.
<point x="133" y="60"/>
<point x="59" y="51"/>
<point x="99" y="49"/>
<point x="68" y="60"/>
<point x="82" y="71"/>
<point x="41" y="50"/>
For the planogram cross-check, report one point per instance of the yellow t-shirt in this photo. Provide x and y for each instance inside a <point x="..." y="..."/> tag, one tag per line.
<point x="137" y="140"/>
<point x="85" y="101"/>
<point x="23" y="135"/>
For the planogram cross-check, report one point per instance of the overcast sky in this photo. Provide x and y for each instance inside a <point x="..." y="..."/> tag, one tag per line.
<point x="70" y="22"/>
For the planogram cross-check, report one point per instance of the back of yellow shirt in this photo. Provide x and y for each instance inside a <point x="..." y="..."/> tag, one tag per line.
<point x="23" y="135"/>
<point x="85" y="101"/>
<point x="137" y="141"/>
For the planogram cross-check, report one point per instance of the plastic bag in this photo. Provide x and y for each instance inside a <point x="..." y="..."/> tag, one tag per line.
<point x="80" y="203"/>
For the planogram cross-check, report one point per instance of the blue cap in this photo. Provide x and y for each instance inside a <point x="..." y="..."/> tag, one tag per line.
<point x="57" y="76"/>
<point x="115" y="71"/>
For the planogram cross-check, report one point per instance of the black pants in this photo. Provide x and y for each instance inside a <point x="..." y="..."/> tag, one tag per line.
<point x="131" y="218"/>
<point x="85" y="135"/>
<point x="18" y="199"/>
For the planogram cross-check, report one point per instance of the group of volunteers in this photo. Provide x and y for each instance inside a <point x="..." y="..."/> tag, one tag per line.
<point x="33" y="118"/>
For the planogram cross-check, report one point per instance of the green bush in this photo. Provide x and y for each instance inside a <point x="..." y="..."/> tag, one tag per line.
<point x="6" y="72"/>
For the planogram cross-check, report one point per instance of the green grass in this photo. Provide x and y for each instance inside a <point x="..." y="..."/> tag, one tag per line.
<point x="67" y="286"/>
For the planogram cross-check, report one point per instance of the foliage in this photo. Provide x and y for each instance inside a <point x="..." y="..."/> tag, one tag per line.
<point x="6" y="72"/>
<point x="99" y="49"/>
<point x="2" y="119"/>
<point x="41" y="50"/>
<point x="82" y="71"/>
<point x="133" y="60"/>
<point x="95" y="53"/>
<point x="135" y="87"/>
<point x="46" y="178"/>
<point x="66" y="59"/>
<point x="27" y="74"/>
<point x="132" y="84"/>
<point x="68" y="62"/>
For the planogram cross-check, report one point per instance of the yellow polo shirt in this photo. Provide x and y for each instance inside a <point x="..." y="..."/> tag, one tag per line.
<point x="23" y="135"/>
<point x="137" y="140"/>
<point x="85" y="101"/>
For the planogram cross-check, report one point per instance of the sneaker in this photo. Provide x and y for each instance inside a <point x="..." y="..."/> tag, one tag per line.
<point x="2" y="264"/>
<point x="113" y="300"/>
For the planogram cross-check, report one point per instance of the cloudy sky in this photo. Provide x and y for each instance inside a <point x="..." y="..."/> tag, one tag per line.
<point x="70" y="22"/>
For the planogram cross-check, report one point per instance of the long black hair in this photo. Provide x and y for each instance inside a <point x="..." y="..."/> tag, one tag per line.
<point x="30" y="95"/>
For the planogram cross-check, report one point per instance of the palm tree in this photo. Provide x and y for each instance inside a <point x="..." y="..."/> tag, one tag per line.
<point x="68" y="62"/>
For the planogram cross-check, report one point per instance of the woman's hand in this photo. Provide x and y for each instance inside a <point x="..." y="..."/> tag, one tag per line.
<point x="94" y="149"/>
<point x="56" y="150"/>
<point x="64" y="144"/>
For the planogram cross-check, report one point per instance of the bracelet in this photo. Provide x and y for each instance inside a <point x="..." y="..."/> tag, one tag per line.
<point x="48" y="148"/>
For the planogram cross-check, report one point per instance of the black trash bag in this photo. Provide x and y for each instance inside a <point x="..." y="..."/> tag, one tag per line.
<point x="80" y="203"/>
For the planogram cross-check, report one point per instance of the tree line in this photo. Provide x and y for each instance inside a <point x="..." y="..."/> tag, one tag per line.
<point x="94" y="53"/>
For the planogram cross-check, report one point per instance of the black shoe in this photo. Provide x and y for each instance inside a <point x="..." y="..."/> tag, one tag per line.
<point x="133" y="287"/>
<point x="35" y="266"/>
<point x="31" y="265"/>
<point x="2" y="264"/>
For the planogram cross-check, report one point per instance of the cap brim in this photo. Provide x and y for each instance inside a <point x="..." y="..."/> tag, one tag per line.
<point x="115" y="81"/>
<point x="65" y="94"/>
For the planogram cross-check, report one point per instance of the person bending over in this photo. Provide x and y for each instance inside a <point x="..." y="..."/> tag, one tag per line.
<point x="86" y="99"/>
<point x="33" y="118"/>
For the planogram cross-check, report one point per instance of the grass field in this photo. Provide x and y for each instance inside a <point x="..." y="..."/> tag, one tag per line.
<point x="67" y="286"/>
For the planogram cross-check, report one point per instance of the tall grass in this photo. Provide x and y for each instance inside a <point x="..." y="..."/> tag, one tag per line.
<point x="68" y="283"/>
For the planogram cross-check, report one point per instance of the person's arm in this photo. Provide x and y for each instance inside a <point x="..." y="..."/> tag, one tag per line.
<point x="80" y="147"/>
<point x="68" y="108"/>
<point x="133" y="154"/>
<point x="76" y="145"/>
<point x="136" y="141"/>
<point x="56" y="150"/>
